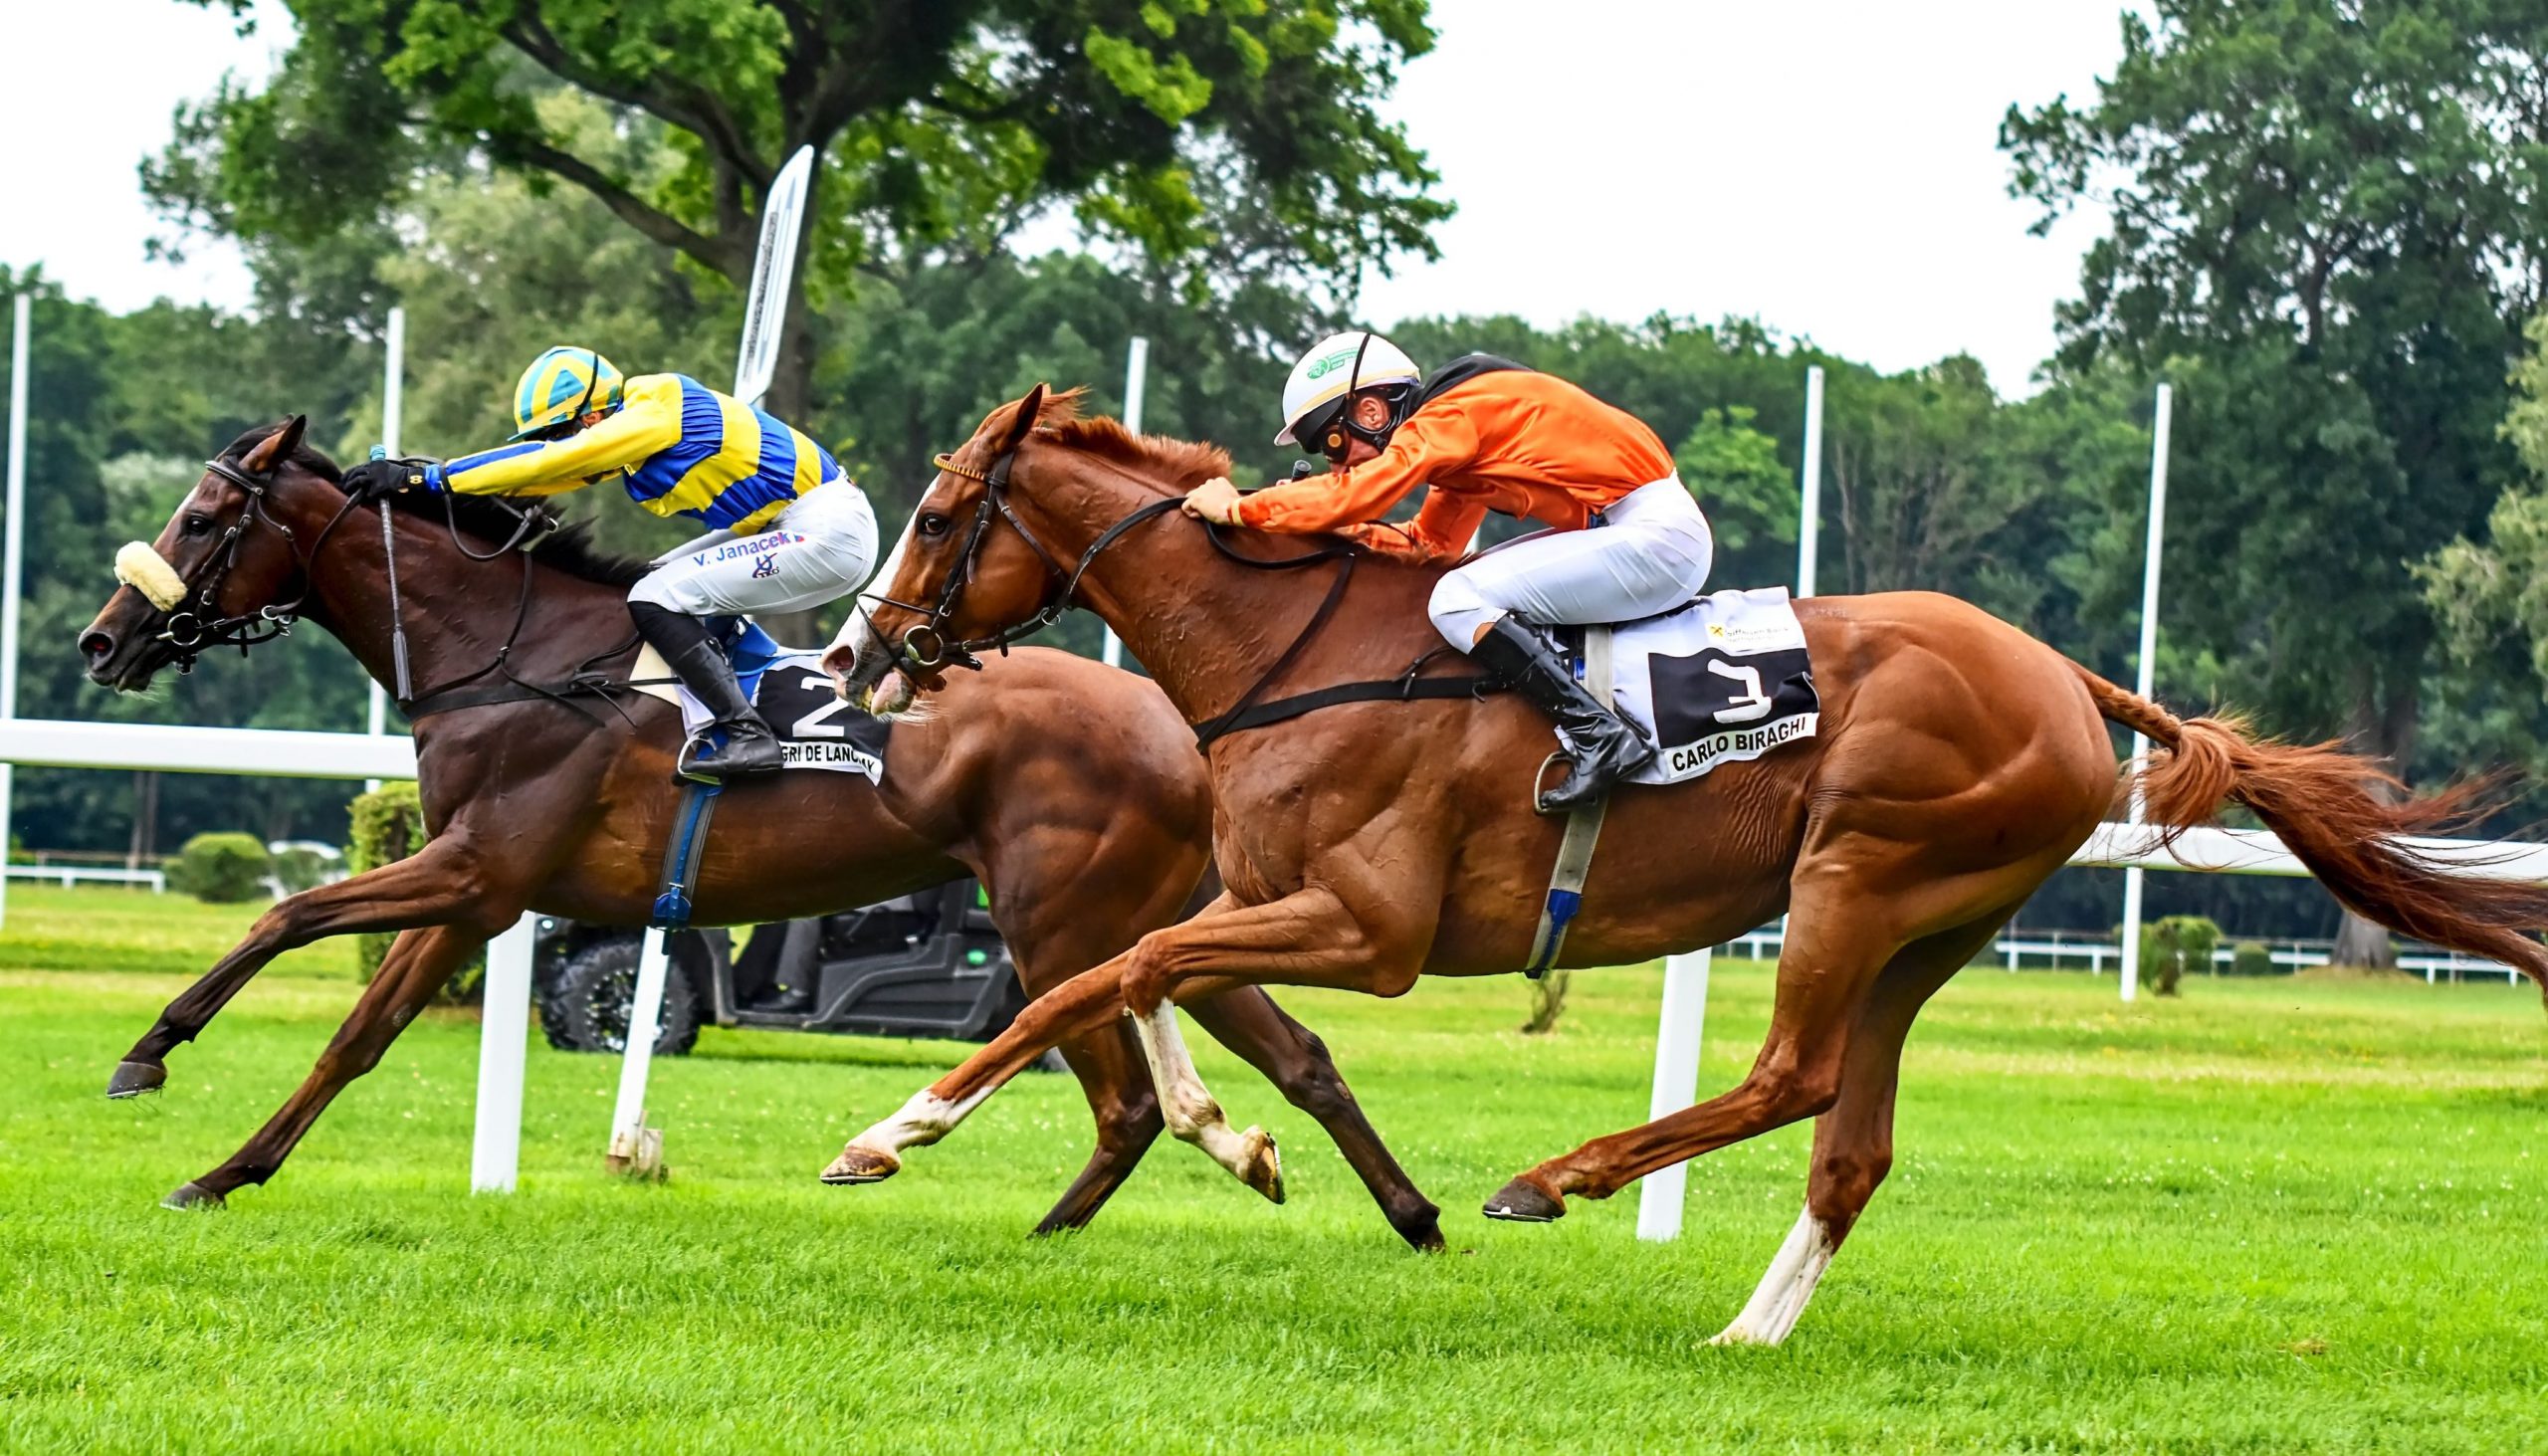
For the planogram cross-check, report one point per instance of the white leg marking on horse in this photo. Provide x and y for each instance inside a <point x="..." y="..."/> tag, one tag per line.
<point x="1783" y="1290"/>
<point x="923" y="1120"/>
<point x="1188" y="1105"/>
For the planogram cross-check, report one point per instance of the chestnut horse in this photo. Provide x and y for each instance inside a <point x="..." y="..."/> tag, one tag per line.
<point x="1049" y="767"/>
<point x="1959" y="764"/>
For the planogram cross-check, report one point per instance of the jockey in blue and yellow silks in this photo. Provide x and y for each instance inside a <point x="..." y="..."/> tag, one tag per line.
<point x="790" y="530"/>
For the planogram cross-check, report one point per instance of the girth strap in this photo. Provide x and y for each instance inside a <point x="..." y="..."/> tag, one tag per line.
<point x="1384" y="689"/>
<point x="682" y="853"/>
<point x="1583" y="829"/>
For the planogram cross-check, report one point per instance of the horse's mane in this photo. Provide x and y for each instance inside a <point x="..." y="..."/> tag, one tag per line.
<point x="1180" y="464"/>
<point x="568" y="548"/>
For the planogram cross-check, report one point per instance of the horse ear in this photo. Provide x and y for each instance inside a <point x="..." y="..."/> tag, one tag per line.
<point x="1029" y="410"/>
<point x="275" y="448"/>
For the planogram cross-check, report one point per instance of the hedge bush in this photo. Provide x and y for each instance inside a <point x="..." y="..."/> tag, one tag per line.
<point x="388" y="826"/>
<point x="301" y="868"/>
<point x="2251" y="958"/>
<point x="2173" y="946"/>
<point x="221" y="869"/>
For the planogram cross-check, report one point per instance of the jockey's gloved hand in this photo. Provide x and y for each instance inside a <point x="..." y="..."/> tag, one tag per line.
<point x="375" y="480"/>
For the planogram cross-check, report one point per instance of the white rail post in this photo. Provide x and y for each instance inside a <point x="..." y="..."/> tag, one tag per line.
<point x="1136" y="381"/>
<point x="393" y="388"/>
<point x="635" y="1148"/>
<point x="2130" y="977"/>
<point x="1660" y="1193"/>
<point x="11" y="558"/>
<point x="1809" y="530"/>
<point x="504" y="1034"/>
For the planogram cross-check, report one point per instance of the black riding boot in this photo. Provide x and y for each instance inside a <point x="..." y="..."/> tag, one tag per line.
<point x="695" y="658"/>
<point x="1601" y="747"/>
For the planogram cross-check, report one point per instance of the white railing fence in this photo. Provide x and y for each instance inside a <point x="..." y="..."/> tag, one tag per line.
<point x="2020" y="950"/>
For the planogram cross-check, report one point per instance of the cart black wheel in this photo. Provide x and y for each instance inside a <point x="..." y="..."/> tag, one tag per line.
<point x="586" y="1008"/>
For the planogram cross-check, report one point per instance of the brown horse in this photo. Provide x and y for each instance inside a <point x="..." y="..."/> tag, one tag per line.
<point x="1959" y="764"/>
<point x="1049" y="766"/>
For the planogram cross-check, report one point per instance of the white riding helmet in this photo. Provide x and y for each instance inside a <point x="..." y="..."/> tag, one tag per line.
<point x="1340" y="364"/>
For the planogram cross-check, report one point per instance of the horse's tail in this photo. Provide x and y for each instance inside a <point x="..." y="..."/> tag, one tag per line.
<point x="2318" y="799"/>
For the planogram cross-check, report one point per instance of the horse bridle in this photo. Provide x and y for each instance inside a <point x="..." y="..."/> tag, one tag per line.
<point x="190" y="631"/>
<point x="934" y="632"/>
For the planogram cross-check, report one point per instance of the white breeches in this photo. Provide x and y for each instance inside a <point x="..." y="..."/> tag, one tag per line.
<point x="818" y="551"/>
<point x="1652" y="554"/>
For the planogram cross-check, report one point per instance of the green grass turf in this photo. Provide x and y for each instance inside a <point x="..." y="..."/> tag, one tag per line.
<point x="2271" y="1216"/>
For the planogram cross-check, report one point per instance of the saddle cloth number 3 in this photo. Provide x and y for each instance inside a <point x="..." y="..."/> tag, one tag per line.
<point x="1750" y="705"/>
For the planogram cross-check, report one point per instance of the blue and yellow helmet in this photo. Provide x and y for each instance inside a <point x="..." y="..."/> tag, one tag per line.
<point x="563" y="384"/>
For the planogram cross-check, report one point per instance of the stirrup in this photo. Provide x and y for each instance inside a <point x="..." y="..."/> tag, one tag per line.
<point x="1577" y="771"/>
<point x="699" y="761"/>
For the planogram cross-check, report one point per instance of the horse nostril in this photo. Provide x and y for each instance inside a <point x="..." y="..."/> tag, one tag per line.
<point x="96" y="647"/>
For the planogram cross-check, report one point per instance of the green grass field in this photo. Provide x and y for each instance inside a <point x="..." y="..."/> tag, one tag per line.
<point x="2272" y="1216"/>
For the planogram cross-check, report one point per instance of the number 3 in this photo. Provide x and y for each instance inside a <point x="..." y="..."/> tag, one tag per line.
<point x="1750" y="703"/>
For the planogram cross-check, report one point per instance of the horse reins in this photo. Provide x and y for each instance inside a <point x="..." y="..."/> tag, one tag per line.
<point x="1248" y="711"/>
<point x="189" y="634"/>
<point x="941" y="618"/>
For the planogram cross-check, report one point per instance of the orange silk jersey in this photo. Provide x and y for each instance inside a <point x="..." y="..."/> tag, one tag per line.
<point x="1517" y="441"/>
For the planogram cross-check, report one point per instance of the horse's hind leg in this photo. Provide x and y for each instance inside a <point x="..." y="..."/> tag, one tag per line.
<point x="1853" y="1141"/>
<point x="1119" y="1093"/>
<point x="418" y="963"/>
<point x="436" y="883"/>
<point x="1842" y="933"/>
<point x="1294" y="1059"/>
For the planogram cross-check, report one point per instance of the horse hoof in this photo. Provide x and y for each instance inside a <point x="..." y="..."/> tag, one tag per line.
<point x="1263" y="1169"/>
<point x="858" y="1164"/>
<point x="132" y="1079"/>
<point x="1524" y="1201"/>
<point x="193" y="1196"/>
<point x="1423" y="1235"/>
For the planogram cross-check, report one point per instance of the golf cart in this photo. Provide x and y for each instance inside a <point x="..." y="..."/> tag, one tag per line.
<point x="925" y="965"/>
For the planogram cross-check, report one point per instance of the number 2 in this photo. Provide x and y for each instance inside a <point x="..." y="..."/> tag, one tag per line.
<point x="817" y="723"/>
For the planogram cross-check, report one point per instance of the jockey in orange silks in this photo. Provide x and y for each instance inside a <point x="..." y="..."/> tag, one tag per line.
<point x="1487" y="434"/>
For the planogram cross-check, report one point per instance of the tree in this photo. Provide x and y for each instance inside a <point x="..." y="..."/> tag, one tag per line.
<point x="1750" y="496"/>
<point x="2326" y="223"/>
<point x="1239" y="137"/>
<point x="1917" y="489"/>
<point x="2491" y="595"/>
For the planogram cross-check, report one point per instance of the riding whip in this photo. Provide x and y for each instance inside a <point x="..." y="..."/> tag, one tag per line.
<point x="397" y="619"/>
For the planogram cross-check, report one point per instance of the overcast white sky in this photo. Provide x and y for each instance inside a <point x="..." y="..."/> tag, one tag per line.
<point x="1826" y="166"/>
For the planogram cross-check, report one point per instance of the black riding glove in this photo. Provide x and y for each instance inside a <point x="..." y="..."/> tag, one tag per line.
<point x="375" y="480"/>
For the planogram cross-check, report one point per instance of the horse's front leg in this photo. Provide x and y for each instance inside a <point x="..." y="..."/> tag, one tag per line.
<point x="418" y="965"/>
<point x="1310" y="937"/>
<point x="444" y="882"/>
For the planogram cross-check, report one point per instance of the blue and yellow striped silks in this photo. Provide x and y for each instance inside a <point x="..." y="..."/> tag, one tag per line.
<point x="562" y="384"/>
<point x="683" y="447"/>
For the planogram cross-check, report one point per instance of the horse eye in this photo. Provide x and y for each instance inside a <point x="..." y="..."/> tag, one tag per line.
<point x="933" y="524"/>
<point x="198" y="524"/>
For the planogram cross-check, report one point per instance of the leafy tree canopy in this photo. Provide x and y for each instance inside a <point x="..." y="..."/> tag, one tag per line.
<point x="1228" y="137"/>
<point x="2327" y="226"/>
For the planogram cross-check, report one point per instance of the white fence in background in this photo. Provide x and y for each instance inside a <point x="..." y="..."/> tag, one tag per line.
<point x="2054" y="949"/>
<point x="67" y="875"/>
